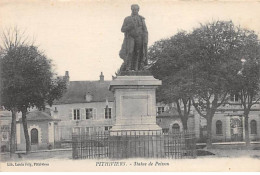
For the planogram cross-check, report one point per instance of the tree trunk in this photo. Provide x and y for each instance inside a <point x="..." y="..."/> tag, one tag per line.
<point x="13" y="133"/>
<point x="247" y="139"/>
<point x="26" y="134"/>
<point x="209" y="131"/>
<point x="184" y="120"/>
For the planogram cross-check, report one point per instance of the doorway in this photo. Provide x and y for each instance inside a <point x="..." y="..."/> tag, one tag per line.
<point x="175" y="127"/>
<point x="34" y="136"/>
<point x="236" y="126"/>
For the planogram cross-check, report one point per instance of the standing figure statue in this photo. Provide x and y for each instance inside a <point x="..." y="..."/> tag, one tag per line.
<point x="134" y="47"/>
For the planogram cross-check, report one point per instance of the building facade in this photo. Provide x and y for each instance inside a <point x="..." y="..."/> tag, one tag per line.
<point x="5" y="122"/>
<point x="42" y="130"/>
<point x="228" y="124"/>
<point x="87" y="106"/>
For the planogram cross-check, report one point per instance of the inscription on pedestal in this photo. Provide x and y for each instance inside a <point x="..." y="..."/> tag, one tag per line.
<point x="135" y="106"/>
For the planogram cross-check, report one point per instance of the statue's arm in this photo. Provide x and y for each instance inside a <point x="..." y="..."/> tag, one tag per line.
<point x="145" y="32"/>
<point x="127" y="26"/>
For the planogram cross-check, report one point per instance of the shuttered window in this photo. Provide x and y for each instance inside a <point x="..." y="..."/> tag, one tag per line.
<point x="90" y="113"/>
<point x="76" y="114"/>
<point x="108" y="113"/>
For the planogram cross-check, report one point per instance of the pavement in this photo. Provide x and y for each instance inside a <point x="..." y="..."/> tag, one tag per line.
<point x="38" y="155"/>
<point x="217" y="151"/>
<point x="234" y="153"/>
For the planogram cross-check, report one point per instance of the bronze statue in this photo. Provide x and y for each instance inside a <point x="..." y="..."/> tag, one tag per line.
<point x="134" y="47"/>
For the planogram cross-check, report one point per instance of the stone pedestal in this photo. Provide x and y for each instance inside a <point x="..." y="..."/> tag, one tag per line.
<point x="135" y="104"/>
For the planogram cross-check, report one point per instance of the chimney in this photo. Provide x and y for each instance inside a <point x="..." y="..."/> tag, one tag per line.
<point x="101" y="77"/>
<point x="67" y="77"/>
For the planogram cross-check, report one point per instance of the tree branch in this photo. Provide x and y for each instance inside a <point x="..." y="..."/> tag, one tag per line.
<point x="197" y="109"/>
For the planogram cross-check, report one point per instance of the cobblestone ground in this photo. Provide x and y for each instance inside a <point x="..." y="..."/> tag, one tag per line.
<point x="227" y="151"/>
<point x="41" y="155"/>
<point x="234" y="153"/>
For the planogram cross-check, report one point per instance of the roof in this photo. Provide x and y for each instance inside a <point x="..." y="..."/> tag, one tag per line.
<point x="38" y="116"/>
<point x="77" y="91"/>
<point x="172" y="112"/>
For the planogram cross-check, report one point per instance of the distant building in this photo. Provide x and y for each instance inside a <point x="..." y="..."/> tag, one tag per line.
<point x="169" y="120"/>
<point x="5" y="122"/>
<point x="42" y="130"/>
<point x="87" y="106"/>
<point x="228" y="123"/>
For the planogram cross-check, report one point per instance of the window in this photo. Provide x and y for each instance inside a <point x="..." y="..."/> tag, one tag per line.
<point x="89" y="113"/>
<point x="234" y="97"/>
<point x="253" y="127"/>
<point x="88" y="130"/>
<point x="5" y="132"/>
<point x="165" y="130"/>
<point x="76" y="130"/>
<point x="160" y="110"/>
<point x="107" y="128"/>
<point x="175" y="127"/>
<point x="34" y="136"/>
<point x="76" y="114"/>
<point x="55" y="109"/>
<point x="218" y="127"/>
<point x="108" y="113"/>
<point x="5" y="136"/>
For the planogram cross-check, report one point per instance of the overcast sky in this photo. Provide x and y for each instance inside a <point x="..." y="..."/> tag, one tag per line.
<point x="84" y="37"/>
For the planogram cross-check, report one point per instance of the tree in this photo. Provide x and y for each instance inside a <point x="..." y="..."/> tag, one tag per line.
<point x="216" y="63"/>
<point x="199" y="66"/>
<point x="28" y="81"/>
<point x="247" y="82"/>
<point x="11" y="38"/>
<point x="169" y="59"/>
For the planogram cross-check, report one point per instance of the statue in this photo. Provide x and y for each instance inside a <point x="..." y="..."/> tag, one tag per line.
<point x="134" y="47"/>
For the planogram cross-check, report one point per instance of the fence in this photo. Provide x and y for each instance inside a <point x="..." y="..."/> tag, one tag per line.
<point x="133" y="144"/>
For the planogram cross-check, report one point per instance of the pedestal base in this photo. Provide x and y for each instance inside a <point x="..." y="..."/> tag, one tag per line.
<point x="135" y="104"/>
<point x="145" y="146"/>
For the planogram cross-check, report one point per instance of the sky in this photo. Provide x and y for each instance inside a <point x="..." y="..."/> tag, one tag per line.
<point x="84" y="37"/>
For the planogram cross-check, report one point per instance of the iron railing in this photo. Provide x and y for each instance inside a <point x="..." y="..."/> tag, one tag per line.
<point x="133" y="144"/>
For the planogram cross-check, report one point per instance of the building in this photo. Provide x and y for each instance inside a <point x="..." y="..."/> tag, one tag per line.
<point x="42" y="130"/>
<point x="5" y="121"/>
<point x="169" y="120"/>
<point x="228" y="123"/>
<point x="87" y="106"/>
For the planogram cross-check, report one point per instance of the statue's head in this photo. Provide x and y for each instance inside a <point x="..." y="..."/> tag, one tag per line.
<point x="135" y="9"/>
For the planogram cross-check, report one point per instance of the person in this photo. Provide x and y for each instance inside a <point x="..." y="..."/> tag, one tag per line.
<point x="134" y="47"/>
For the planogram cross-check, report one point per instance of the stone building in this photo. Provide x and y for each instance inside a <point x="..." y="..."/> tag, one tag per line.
<point x="42" y="129"/>
<point x="87" y="106"/>
<point x="170" y="121"/>
<point x="5" y="122"/>
<point x="228" y="123"/>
